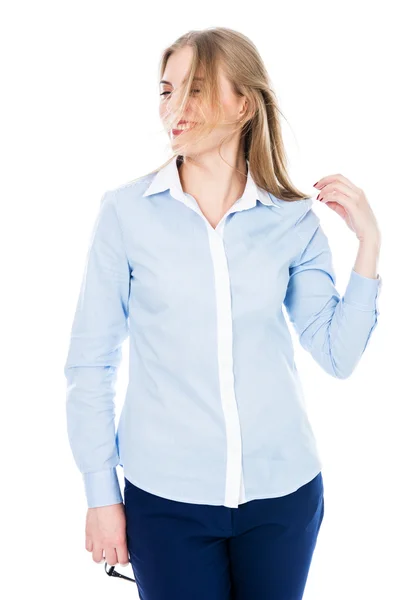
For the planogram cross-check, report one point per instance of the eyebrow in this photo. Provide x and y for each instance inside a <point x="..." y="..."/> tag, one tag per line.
<point x="194" y="79"/>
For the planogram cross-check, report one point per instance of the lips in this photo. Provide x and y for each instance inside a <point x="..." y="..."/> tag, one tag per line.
<point x="187" y="123"/>
<point x="191" y="124"/>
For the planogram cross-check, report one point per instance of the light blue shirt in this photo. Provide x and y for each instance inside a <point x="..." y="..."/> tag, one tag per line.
<point x="214" y="410"/>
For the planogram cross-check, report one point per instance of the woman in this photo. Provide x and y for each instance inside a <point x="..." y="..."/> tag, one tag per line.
<point x="223" y="489"/>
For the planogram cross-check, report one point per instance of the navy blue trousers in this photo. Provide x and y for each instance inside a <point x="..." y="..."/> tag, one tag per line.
<point x="258" y="551"/>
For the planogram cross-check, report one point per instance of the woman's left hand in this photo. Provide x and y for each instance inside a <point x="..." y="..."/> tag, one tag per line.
<point x="350" y="202"/>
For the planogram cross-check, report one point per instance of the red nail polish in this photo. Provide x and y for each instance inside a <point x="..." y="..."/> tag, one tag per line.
<point x="315" y="184"/>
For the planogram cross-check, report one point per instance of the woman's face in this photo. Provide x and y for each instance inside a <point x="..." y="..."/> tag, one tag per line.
<point x="177" y="67"/>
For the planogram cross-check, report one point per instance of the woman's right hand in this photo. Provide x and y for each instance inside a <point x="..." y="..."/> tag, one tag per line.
<point x="106" y="534"/>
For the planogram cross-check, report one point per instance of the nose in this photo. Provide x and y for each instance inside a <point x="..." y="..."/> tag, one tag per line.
<point x="171" y="108"/>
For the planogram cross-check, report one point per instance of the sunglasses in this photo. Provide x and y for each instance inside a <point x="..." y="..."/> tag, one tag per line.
<point x="113" y="573"/>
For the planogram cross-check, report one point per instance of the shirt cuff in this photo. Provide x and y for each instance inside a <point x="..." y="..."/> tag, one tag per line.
<point x="363" y="292"/>
<point x="102" y="488"/>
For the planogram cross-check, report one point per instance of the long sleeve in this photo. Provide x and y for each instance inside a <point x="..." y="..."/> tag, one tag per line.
<point x="99" y="327"/>
<point x="334" y="329"/>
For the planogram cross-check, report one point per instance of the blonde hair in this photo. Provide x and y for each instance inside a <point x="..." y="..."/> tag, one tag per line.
<point x="243" y="66"/>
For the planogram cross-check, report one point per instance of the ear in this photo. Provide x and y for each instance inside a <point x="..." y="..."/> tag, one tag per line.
<point x="243" y="108"/>
<point x="245" y="111"/>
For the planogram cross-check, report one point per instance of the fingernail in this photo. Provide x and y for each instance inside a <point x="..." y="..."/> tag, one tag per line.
<point x="315" y="184"/>
<point x="124" y="564"/>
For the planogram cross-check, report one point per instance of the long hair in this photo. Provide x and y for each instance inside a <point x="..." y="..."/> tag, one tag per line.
<point x="220" y="47"/>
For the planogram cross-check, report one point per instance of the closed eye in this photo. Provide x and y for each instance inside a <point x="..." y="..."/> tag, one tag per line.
<point x="192" y="91"/>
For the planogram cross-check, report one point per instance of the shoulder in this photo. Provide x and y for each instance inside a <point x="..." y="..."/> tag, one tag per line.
<point x="294" y="210"/>
<point x="300" y="216"/>
<point x="126" y="195"/>
<point x="305" y="214"/>
<point x="133" y="188"/>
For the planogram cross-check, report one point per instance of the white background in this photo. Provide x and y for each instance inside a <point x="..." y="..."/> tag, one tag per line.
<point x="80" y="116"/>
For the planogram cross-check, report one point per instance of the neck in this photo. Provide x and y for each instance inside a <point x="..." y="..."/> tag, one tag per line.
<point x="214" y="184"/>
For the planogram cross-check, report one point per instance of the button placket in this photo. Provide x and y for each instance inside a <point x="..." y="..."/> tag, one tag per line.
<point x="234" y="488"/>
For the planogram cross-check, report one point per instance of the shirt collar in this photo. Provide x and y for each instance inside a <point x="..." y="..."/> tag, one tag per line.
<point x="168" y="178"/>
